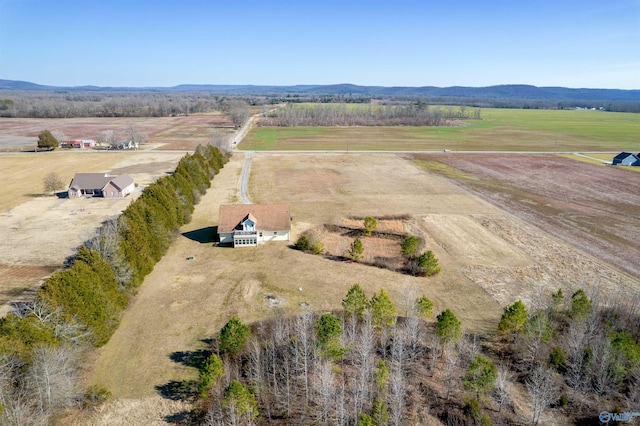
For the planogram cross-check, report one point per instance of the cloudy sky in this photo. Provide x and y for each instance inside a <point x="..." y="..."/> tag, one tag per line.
<point x="585" y="43"/>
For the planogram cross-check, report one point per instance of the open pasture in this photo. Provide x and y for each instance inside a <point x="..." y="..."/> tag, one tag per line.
<point x="499" y="130"/>
<point x="489" y="258"/>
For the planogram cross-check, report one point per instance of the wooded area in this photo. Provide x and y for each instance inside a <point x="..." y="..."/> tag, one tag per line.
<point x="371" y="365"/>
<point x="415" y="114"/>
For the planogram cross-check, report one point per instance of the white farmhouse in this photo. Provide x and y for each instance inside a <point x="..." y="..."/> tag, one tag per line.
<point x="247" y="225"/>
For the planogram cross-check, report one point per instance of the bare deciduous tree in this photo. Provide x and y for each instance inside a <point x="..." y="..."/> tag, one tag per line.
<point x="107" y="243"/>
<point x="220" y="140"/>
<point x="106" y="138"/>
<point x="502" y="391"/>
<point x="52" y="183"/>
<point x="239" y="113"/>
<point x="52" y="377"/>
<point x="135" y="136"/>
<point x="543" y="390"/>
<point x="324" y="389"/>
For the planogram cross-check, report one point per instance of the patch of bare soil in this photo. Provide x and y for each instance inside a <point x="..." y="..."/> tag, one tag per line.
<point x="593" y="207"/>
<point x="380" y="249"/>
<point x="180" y="132"/>
<point x="18" y="282"/>
<point x="553" y="265"/>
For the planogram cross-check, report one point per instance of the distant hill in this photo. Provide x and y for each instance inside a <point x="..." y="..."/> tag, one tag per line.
<point x="507" y="91"/>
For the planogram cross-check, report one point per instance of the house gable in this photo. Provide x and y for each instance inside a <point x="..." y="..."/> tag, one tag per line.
<point x="252" y="224"/>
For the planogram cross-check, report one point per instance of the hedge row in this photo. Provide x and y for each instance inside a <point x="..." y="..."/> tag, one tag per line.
<point x="85" y="300"/>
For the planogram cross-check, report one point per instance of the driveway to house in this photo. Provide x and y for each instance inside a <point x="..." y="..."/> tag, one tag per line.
<point x="244" y="179"/>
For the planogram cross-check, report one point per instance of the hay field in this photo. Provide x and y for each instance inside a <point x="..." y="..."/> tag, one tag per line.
<point x="489" y="258"/>
<point x="499" y="130"/>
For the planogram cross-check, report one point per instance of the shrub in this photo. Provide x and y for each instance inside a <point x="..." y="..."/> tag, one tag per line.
<point x="303" y="243"/>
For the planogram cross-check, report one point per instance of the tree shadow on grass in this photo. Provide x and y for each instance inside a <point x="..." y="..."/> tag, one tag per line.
<point x="206" y="235"/>
<point x="184" y="417"/>
<point x="193" y="359"/>
<point x="179" y="390"/>
<point x="185" y="390"/>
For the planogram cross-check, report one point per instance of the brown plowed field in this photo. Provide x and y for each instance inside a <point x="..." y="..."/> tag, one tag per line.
<point x="181" y="132"/>
<point x="594" y="207"/>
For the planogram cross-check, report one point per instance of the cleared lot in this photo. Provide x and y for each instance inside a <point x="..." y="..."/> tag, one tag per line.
<point x="185" y="302"/>
<point x="592" y="206"/>
<point x="38" y="232"/>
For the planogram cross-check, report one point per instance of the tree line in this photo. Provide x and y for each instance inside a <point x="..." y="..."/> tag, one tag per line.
<point x="80" y="306"/>
<point x="369" y="365"/>
<point x="415" y="114"/>
<point x="60" y="104"/>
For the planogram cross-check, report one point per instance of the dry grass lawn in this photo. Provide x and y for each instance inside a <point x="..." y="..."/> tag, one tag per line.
<point x="37" y="231"/>
<point x="488" y="259"/>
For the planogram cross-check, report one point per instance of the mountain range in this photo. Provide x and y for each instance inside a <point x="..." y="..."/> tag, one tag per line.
<point x="506" y="91"/>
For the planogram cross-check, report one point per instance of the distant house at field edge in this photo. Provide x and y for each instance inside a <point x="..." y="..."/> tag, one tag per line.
<point x="78" y="143"/>
<point x="247" y="225"/>
<point x="100" y="185"/>
<point x="123" y="145"/>
<point x="626" y="159"/>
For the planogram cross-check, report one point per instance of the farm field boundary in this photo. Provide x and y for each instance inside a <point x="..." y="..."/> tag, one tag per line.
<point x="499" y="130"/>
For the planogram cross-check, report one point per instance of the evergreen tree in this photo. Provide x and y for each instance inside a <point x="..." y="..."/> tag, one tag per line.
<point x="514" y="318"/>
<point x="580" y="305"/>
<point x="47" y="141"/>
<point x="233" y="336"/>
<point x="355" y="302"/>
<point x="448" y="327"/>
<point x="383" y="310"/>
<point x="370" y="225"/>
<point x="410" y="247"/>
<point x="428" y="264"/>
<point x="356" y="249"/>
<point x="424" y="306"/>
<point x="481" y="375"/>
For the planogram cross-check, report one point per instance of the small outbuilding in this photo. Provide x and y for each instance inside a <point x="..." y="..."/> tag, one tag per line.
<point x="626" y="159"/>
<point x="247" y="225"/>
<point x="100" y="185"/>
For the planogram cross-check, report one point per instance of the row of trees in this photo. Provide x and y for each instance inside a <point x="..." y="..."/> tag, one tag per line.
<point x="416" y="114"/>
<point x="81" y="305"/>
<point x="122" y="104"/>
<point x="104" y="104"/>
<point x="366" y="365"/>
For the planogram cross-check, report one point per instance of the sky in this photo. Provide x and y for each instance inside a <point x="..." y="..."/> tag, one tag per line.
<point x="142" y="43"/>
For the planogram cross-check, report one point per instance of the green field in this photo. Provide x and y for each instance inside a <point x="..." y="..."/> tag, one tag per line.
<point x="499" y="130"/>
